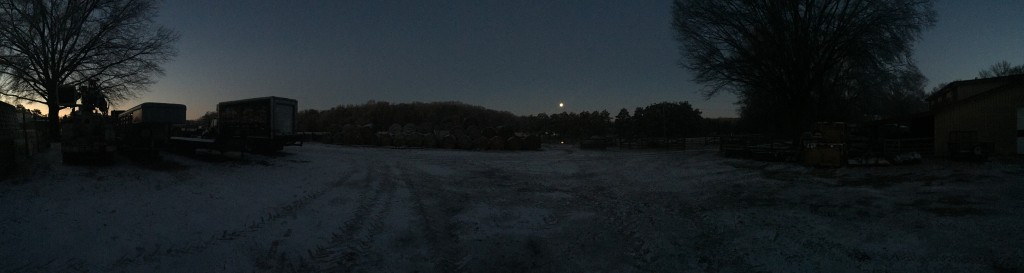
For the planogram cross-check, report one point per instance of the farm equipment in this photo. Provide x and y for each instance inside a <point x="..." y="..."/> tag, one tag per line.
<point x="260" y="125"/>
<point x="86" y="134"/>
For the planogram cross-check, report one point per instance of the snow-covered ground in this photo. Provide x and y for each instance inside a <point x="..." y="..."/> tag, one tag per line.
<point x="350" y="209"/>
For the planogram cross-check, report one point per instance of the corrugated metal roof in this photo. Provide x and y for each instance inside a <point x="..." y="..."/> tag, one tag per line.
<point x="1012" y="79"/>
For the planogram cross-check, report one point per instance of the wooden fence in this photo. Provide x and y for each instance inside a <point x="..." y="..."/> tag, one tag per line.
<point x="21" y="137"/>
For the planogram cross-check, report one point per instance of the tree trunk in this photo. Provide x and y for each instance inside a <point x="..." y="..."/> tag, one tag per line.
<point x="54" y="115"/>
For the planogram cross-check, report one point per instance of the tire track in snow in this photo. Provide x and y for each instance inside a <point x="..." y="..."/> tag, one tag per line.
<point x="345" y="251"/>
<point x="280" y="212"/>
<point x="438" y="231"/>
<point x="625" y="216"/>
<point x="287" y="242"/>
<point x="633" y="220"/>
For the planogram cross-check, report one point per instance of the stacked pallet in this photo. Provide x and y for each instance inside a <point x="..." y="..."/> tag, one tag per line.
<point x="827" y="145"/>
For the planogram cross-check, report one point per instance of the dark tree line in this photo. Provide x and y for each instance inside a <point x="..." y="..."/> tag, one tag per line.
<point x="659" y="120"/>
<point x="569" y="126"/>
<point x="665" y="120"/>
<point x="382" y="115"/>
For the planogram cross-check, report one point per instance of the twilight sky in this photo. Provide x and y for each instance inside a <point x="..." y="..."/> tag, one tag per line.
<point x="519" y="56"/>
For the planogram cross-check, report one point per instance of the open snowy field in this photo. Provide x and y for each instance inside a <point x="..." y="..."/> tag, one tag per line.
<point x="350" y="209"/>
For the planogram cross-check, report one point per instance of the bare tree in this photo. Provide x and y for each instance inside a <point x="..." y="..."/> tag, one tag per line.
<point x="792" y="62"/>
<point x="1000" y="69"/>
<point x="46" y="44"/>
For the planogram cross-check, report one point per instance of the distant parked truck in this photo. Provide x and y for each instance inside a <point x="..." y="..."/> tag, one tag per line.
<point x="252" y="125"/>
<point x="145" y="128"/>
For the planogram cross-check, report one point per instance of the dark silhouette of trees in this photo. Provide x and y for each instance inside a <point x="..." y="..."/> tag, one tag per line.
<point x="624" y="124"/>
<point x="206" y="120"/>
<point x="721" y="126"/>
<point x="308" y="121"/>
<point x="793" y="62"/>
<point x="569" y="126"/>
<point x="903" y="94"/>
<point x="426" y="116"/>
<point x="46" y="44"/>
<point x="668" y="120"/>
<point x="1000" y="69"/>
<point x="659" y="120"/>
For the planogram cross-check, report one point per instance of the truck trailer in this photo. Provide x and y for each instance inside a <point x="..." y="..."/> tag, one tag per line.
<point x="262" y="125"/>
<point x="145" y="128"/>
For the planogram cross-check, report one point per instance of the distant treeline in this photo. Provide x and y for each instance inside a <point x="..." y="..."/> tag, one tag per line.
<point x="382" y="115"/>
<point x="665" y="119"/>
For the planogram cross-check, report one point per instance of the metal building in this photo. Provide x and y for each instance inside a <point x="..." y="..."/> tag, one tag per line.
<point x="985" y="115"/>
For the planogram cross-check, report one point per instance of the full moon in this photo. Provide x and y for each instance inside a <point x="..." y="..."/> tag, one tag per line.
<point x="561" y="105"/>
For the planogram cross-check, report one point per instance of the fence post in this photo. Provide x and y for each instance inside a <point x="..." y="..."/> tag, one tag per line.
<point x="24" y="135"/>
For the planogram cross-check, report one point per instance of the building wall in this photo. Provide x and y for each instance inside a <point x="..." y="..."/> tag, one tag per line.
<point x="993" y="116"/>
<point x="971" y="90"/>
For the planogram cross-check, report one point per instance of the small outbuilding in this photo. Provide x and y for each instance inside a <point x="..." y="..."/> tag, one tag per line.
<point x="983" y="114"/>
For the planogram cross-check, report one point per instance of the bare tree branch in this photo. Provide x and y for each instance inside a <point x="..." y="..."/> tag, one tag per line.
<point x="45" y="44"/>
<point x="1000" y="69"/>
<point x="792" y="61"/>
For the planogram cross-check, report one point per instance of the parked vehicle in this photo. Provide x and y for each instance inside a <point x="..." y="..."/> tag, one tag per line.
<point x="145" y="128"/>
<point x="260" y="125"/>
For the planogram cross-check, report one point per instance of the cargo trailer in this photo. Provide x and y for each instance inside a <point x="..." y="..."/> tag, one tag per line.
<point x="264" y="124"/>
<point x="145" y="128"/>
